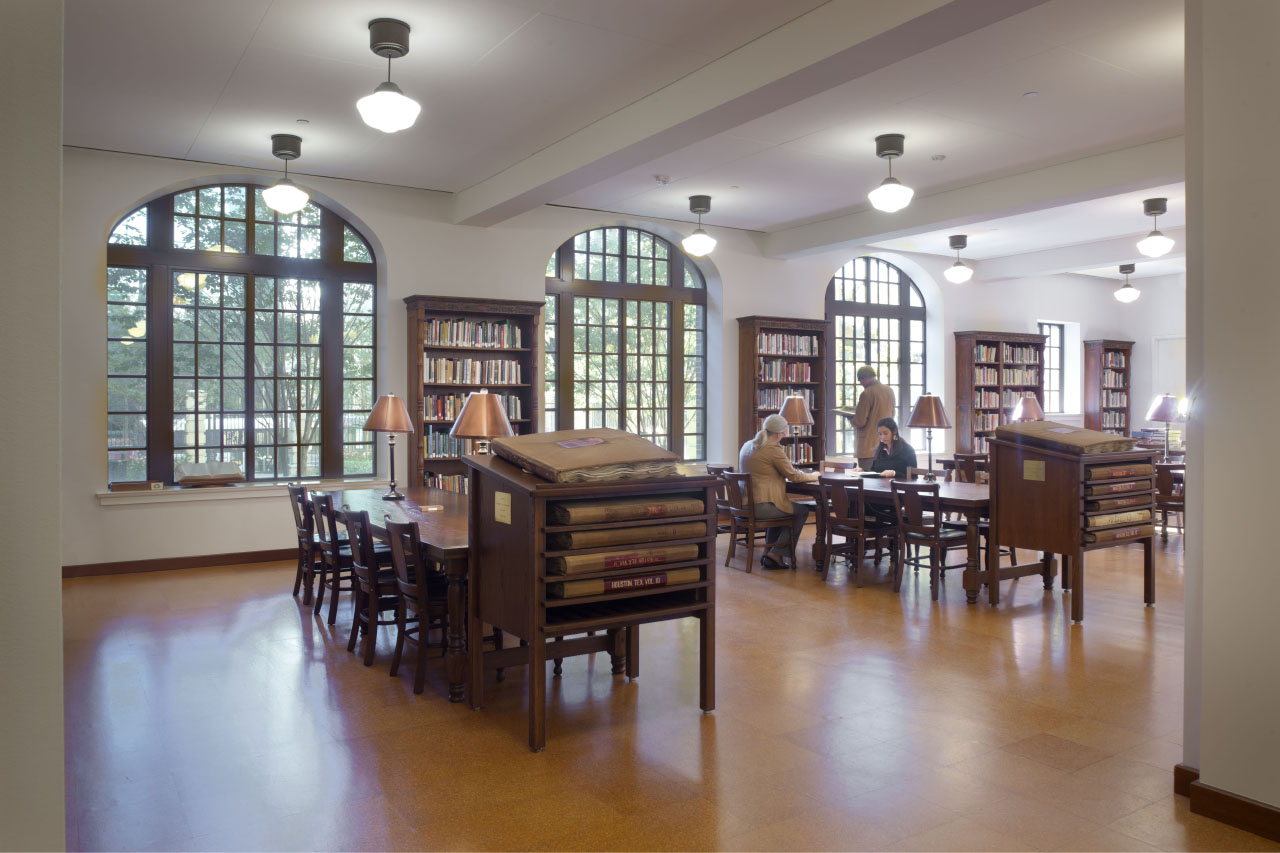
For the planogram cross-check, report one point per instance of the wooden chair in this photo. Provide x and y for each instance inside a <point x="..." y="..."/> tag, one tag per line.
<point x="335" y="555"/>
<point x="844" y="503"/>
<point x="746" y="528"/>
<point x="724" y="523"/>
<point x="1170" y="496"/>
<point x="373" y="586"/>
<point x="918" y="509"/>
<point x="422" y="599"/>
<point x="969" y="468"/>
<point x="304" y="522"/>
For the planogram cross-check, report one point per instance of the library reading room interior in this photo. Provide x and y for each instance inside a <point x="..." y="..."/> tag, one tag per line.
<point x="639" y="425"/>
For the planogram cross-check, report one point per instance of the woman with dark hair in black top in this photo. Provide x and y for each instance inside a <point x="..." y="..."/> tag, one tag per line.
<point x="894" y="456"/>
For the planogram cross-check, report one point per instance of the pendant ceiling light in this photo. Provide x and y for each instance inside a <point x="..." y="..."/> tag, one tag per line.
<point x="959" y="272"/>
<point x="1155" y="244"/>
<point x="699" y="243"/>
<point x="892" y="195"/>
<point x="1127" y="293"/>
<point x="388" y="109"/>
<point x="284" y="196"/>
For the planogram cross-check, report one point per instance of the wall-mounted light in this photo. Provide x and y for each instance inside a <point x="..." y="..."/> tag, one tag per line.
<point x="284" y="196"/>
<point x="892" y="195"/>
<point x="388" y="109"/>
<point x="959" y="272"/>
<point x="1155" y="244"/>
<point x="699" y="243"/>
<point x="1127" y="293"/>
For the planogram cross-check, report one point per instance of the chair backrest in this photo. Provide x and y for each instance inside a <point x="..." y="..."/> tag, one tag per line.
<point x="721" y="491"/>
<point x="405" y="556"/>
<point x="363" y="560"/>
<point x="741" y="497"/>
<point x="968" y="465"/>
<point x="835" y="467"/>
<point x="1165" y="485"/>
<point x="918" y="507"/>
<point x="326" y="521"/>
<point x="718" y="470"/>
<point x="304" y="521"/>
<point x="844" y="501"/>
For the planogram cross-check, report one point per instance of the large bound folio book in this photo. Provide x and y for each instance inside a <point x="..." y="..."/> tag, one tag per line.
<point x="1120" y="533"/>
<point x="1064" y="438"/>
<point x="1099" y="489"/>
<point x="1118" y="518"/>
<point x="1114" y="472"/>
<point x="627" y="535"/>
<point x="603" y="586"/>
<point x="1118" y="503"/>
<point x="587" y="456"/>
<point x="577" y="564"/>
<point x="624" y="509"/>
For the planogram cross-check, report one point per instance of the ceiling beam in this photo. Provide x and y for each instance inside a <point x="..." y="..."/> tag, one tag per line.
<point x="1096" y="176"/>
<point x="1084" y="256"/>
<point x="831" y="45"/>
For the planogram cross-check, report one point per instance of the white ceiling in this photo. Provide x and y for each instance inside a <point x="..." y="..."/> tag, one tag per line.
<point x="1144" y="269"/>
<point x="501" y="80"/>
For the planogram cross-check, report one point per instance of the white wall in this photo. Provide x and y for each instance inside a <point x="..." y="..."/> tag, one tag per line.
<point x="31" y="732"/>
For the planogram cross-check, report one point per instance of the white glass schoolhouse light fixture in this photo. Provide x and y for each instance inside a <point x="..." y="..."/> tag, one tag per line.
<point x="388" y="109"/>
<point x="1155" y="244"/>
<point x="699" y="243"/>
<point x="1127" y="293"/>
<point x="959" y="272"/>
<point x="284" y="196"/>
<point x="892" y="195"/>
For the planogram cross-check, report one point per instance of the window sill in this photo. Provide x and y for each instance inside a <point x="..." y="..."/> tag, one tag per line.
<point x="239" y="491"/>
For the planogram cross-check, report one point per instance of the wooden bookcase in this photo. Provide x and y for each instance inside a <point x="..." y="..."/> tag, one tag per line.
<point x="1107" y="386"/>
<point x="993" y="370"/>
<point x="513" y="534"/>
<point x="434" y="403"/>
<point x="777" y="348"/>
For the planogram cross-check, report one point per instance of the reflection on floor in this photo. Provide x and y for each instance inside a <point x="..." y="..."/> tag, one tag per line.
<point x="206" y="709"/>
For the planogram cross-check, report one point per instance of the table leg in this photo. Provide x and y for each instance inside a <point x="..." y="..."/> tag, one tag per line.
<point x="455" y="656"/>
<point x="1148" y="571"/>
<point x="538" y="694"/>
<point x="819" y="552"/>
<point x="972" y="571"/>
<point x="633" y="652"/>
<point x="1046" y="560"/>
<point x="707" y="660"/>
<point x="1077" y="588"/>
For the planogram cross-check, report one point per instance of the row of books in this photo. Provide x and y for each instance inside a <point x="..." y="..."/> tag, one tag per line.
<point x="776" y="370"/>
<point x="459" y="483"/>
<point x="480" y="334"/>
<point x="438" y="444"/>
<point x="797" y="429"/>
<point x="445" y="407"/>
<point x="1115" y="398"/>
<point x="1022" y="376"/>
<point x="1112" y="379"/>
<point x="1021" y="354"/>
<point x="799" y="452"/>
<point x="980" y="444"/>
<point x="986" y="420"/>
<point x="986" y="399"/>
<point x="984" y="352"/>
<point x="1121" y="499"/>
<point x="771" y="398"/>
<point x="1113" y="358"/>
<point x="1114" y="420"/>
<point x="768" y="343"/>
<point x="470" y="371"/>
<point x="986" y="376"/>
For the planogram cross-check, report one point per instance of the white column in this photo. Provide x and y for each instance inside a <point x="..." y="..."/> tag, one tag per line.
<point x="1233" y="305"/>
<point x="31" y="745"/>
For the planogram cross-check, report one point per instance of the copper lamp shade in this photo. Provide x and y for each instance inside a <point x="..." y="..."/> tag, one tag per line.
<point x="928" y="413"/>
<point x="482" y="417"/>
<point x="390" y="415"/>
<point x="796" y="411"/>
<point x="1028" y="409"/>
<point x="1164" y="410"/>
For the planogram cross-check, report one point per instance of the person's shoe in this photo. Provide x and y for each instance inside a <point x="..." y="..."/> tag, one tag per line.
<point x="770" y="563"/>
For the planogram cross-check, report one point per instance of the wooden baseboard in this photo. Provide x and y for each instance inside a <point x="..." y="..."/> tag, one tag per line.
<point x="128" y="567"/>
<point x="1183" y="776"/>
<point x="1236" y="810"/>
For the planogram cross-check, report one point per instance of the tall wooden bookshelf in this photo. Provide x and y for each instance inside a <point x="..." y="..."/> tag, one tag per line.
<point x="466" y="342"/>
<point x="993" y="371"/>
<point x="1107" y="374"/>
<point x="777" y="357"/>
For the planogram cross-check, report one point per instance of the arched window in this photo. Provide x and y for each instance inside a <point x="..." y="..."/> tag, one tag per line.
<point x="238" y="334"/>
<point x="878" y="316"/>
<point x="626" y="339"/>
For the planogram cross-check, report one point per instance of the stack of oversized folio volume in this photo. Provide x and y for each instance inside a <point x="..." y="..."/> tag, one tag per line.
<point x="587" y="456"/>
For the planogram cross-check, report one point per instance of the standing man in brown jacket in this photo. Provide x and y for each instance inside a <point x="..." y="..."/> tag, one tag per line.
<point x="876" y="401"/>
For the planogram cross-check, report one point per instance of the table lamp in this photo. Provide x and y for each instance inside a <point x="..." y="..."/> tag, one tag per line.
<point x="1164" y="410"/>
<point x="928" y="414"/>
<point x="389" y="415"/>
<point x="482" y="418"/>
<point x="795" y="411"/>
<point x="1027" y="409"/>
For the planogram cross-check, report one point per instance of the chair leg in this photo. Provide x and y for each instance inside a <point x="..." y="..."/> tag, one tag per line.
<point x="371" y="629"/>
<point x="335" y="578"/>
<point x="897" y="566"/>
<point x="830" y="545"/>
<point x="791" y="549"/>
<point x="324" y="577"/>
<point x="400" y="622"/>
<point x="420" y="667"/>
<point x="356" y="596"/>
<point x="1164" y="525"/>
<point x="750" y="543"/>
<point x="934" y="572"/>
<point x="856" y="557"/>
<point x="297" y="578"/>
<point x="733" y="544"/>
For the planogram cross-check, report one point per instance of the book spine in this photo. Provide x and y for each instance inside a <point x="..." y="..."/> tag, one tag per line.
<point x="1120" y="533"/>
<point x="601" y="586"/>
<point x="1118" y="503"/>
<point x="1111" y="472"/>
<point x="1119" y="518"/>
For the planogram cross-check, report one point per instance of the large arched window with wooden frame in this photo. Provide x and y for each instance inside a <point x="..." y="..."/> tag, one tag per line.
<point x="878" y="319"/>
<point x="626" y="339"/>
<point x="238" y="334"/>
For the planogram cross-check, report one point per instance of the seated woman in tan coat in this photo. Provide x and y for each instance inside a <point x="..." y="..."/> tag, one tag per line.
<point x="764" y="459"/>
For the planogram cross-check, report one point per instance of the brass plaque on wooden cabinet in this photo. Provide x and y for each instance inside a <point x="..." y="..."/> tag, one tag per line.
<point x="1033" y="469"/>
<point x="502" y="507"/>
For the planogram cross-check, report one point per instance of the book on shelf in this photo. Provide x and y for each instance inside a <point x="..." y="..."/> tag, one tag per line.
<point x="1115" y="398"/>
<point x="604" y="586"/>
<point x="986" y="376"/>
<point x="481" y="334"/>
<point x="1015" y="354"/>
<point x="470" y="371"/>
<point x="445" y="407"/>
<point x="771" y="398"/>
<point x="799" y="452"/>
<point x="1117" y="503"/>
<point x="984" y="352"/>
<point x="1115" y="472"/>
<point x="793" y="431"/>
<point x="1119" y="518"/>
<point x="438" y="444"/>
<point x="577" y="564"/>
<point x="1114" y="420"/>
<point x="1113" y="378"/>
<point x="624" y="509"/>
<point x="774" y="343"/>
<point x="777" y="370"/>
<point x="1113" y="358"/>
<point x="448" y="482"/>
<point x="626" y="535"/>
<point x="1120" y="533"/>
<point x="1021" y="375"/>
<point x="1117" y="488"/>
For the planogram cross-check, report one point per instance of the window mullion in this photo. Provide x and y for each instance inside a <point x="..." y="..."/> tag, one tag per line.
<point x="160" y="373"/>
